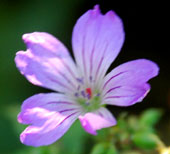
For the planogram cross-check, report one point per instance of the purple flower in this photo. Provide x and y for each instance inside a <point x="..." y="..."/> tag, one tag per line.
<point x="83" y="87"/>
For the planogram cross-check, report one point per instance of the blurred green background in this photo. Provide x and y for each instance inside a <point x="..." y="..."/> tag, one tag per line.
<point x="145" y="38"/>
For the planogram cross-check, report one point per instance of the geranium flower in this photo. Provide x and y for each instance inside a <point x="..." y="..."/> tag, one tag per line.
<point x="83" y="88"/>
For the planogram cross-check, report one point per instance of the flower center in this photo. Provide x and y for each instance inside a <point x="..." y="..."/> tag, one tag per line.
<point x="88" y="99"/>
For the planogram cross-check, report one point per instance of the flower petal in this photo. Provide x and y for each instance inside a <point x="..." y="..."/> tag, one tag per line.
<point x="126" y="84"/>
<point x="49" y="116"/>
<point x="97" y="40"/>
<point x="93" y="121"/>
<point x="47" y="62"/>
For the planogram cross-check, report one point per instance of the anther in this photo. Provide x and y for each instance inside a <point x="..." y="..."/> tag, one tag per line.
<point x="90" y="78"/>
<point x="76" y="94"/>
<point x="83" y="94"/>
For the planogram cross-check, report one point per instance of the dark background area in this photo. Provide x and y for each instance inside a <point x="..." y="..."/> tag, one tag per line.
<point x="146" y="28"/>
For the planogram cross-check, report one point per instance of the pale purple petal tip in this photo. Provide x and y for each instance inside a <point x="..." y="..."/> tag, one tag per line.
<point x="97" y="120"/>
<point x="87" y="126"/>
<point x="26" y="37"/>
<point x="96" y="8"/>
<point x="22" y="137"/>
<point x="19" y="119"/>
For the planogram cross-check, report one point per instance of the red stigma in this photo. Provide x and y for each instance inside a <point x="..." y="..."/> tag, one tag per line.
<point x="89" y="92"/>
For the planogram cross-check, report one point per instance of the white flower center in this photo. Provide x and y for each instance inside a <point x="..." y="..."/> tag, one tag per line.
<point x="89" y="99"/>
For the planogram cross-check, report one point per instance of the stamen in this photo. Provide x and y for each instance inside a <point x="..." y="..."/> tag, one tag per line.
<point x="89" y="92"/>
<point x="90" y="78"/>
<point x="78" y="88"/>
<point x="88" y="96"/>
<point x="83" y="94"/>
<point x="87" y="103"/>
<point x="80" y="80"/>
<point x="76" y="94"/>
<point x="98" y="94"/>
